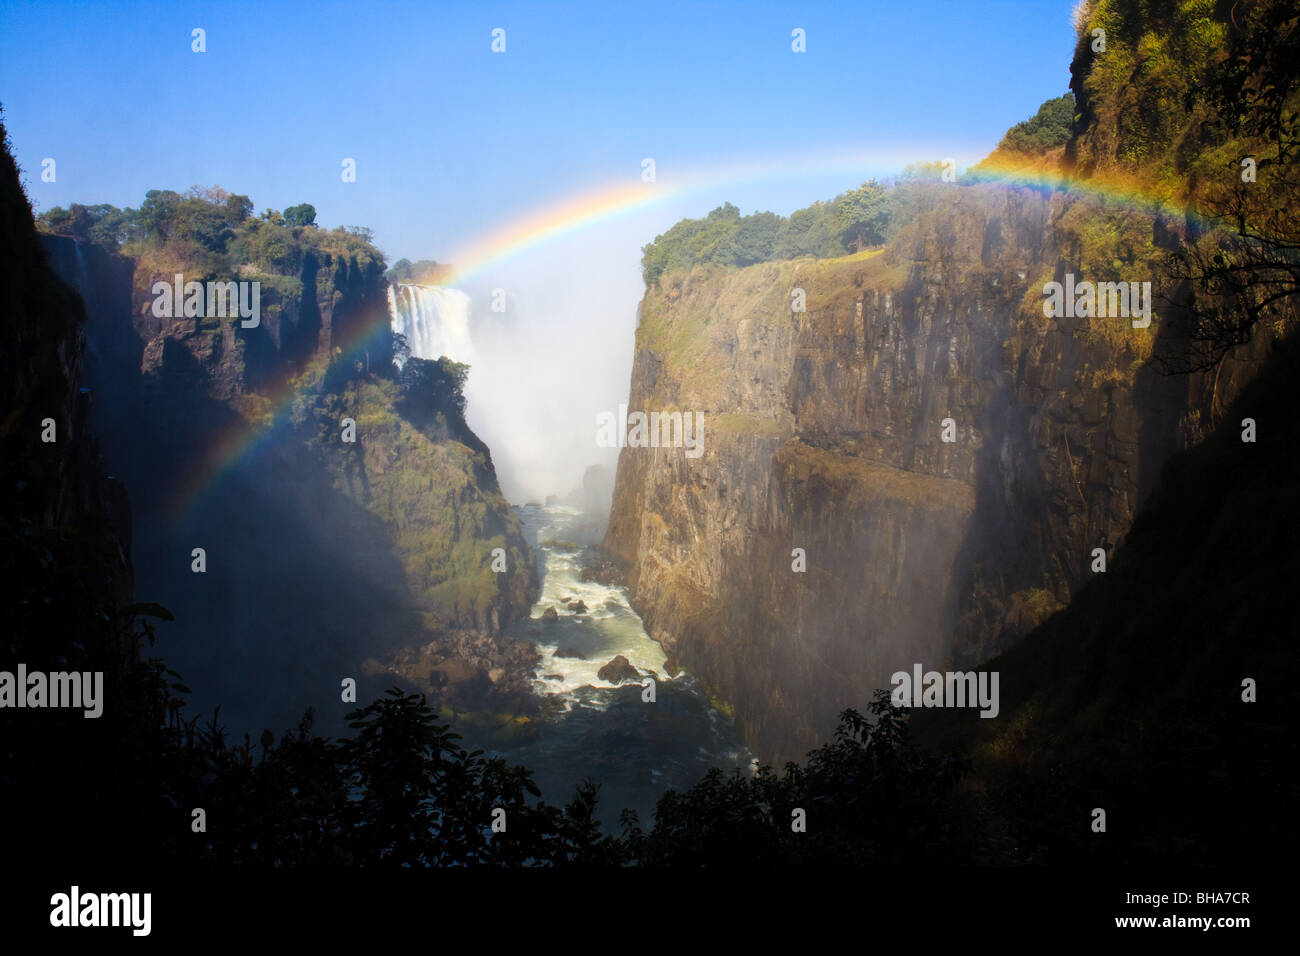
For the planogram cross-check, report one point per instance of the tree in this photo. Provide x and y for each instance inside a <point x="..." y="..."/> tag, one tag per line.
<point x="864" y="213"/>
<point x="1244" y="263"/>
<point x="401" y="271"/>
<point x="157" y="213"/>
<point x="238" y="208"/>
<point x="430" y="388"/>
<point x="303" y="214"/>
<point x="1050" y="127"/>
<point x="813" y="231"/>
<point x="756" y="237"/>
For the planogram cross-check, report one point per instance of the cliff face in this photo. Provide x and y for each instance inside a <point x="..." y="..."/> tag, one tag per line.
<point x="325" y="559"/>
<point x="57" y="484"/>
<point x="823" y="431"/>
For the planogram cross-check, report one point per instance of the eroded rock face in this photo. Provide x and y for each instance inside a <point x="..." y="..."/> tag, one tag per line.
<point x="321" y="555"/>
<point x="823" y="433"/>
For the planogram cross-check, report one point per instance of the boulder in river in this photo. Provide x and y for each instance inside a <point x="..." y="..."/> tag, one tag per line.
<point x="550" y="614"/>
<point x="571" y="652"/>
<point x="618" y="670"/>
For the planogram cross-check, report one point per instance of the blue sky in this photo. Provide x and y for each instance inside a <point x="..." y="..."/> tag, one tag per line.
<point x="453" y="142"/>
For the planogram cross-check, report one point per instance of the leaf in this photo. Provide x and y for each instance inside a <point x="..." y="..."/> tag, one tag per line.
<point x="149" y="609"/>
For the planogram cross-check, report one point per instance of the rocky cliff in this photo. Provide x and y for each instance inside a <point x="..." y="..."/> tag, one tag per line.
<point x="325" y="559"/>
<point x="824" y="431"/>
<point x="55" y="478"/>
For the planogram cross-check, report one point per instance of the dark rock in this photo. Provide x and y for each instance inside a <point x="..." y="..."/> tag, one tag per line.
<point x="572" y="653"/>
<point x="618" y="670"/>
<point x="578" y="607"/>
<point x="603" y="567"/>
<point x="550" y="614"/>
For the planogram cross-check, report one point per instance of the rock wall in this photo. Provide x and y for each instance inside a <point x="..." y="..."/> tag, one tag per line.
<point x="59" y="485"/>
<point x="823" y="431"/>
<point x="325" y="560"/>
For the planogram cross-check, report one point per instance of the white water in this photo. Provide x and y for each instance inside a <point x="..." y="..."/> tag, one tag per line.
<point x="635" y="749"/>
<point x="435" y="321"/>
<point x="609" y="627"/>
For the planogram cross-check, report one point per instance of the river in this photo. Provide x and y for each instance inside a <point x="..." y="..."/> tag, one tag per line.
<point x="635" y="750"/>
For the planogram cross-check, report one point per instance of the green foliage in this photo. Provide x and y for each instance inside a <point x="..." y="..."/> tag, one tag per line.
<point x="102" y="224"/>
<point x="432" y="387"/>
<point x="848" y="223"/>
<point x="303" y="214"/>
<point x="216" y="230"/>
<point x="1046" y="130"/>
<point x="269" y="246"/>
<point x="424" y="271"/>
<point x="865" y="214"/>
<point x="869" y="796"/>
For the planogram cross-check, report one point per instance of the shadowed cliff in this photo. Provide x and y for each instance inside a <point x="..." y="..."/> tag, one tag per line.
<point x="949" y="458"/>
<point x="325" y="559"/>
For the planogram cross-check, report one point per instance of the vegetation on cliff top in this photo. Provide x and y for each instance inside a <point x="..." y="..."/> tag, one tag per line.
<point x="420" y="272"/>
<point x="213" y="231"/>
<point x="848" y="223"/>
<point x="1050" y="128"/>
<point x="1187" y="106"/>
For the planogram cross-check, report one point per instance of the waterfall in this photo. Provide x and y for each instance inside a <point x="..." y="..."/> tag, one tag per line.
<point x="434" y="320"/>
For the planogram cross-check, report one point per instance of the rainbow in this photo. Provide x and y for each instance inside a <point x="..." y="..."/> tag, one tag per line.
<point x="1106" y="186"/>
<point x="609" y="201"/>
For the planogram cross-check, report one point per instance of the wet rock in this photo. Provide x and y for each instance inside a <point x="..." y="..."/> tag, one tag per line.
<point x="578" y="607"/>
<point x="550" y="614"/>
<point x="603" y="567"/>
<point x="571" y="652"/>
<point x="618" y="670"/>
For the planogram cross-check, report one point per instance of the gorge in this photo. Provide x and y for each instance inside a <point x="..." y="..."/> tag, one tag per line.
<point x="1028" y="426"/>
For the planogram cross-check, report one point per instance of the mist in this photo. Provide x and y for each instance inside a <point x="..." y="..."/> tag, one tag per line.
<point x="559" y="353"/>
